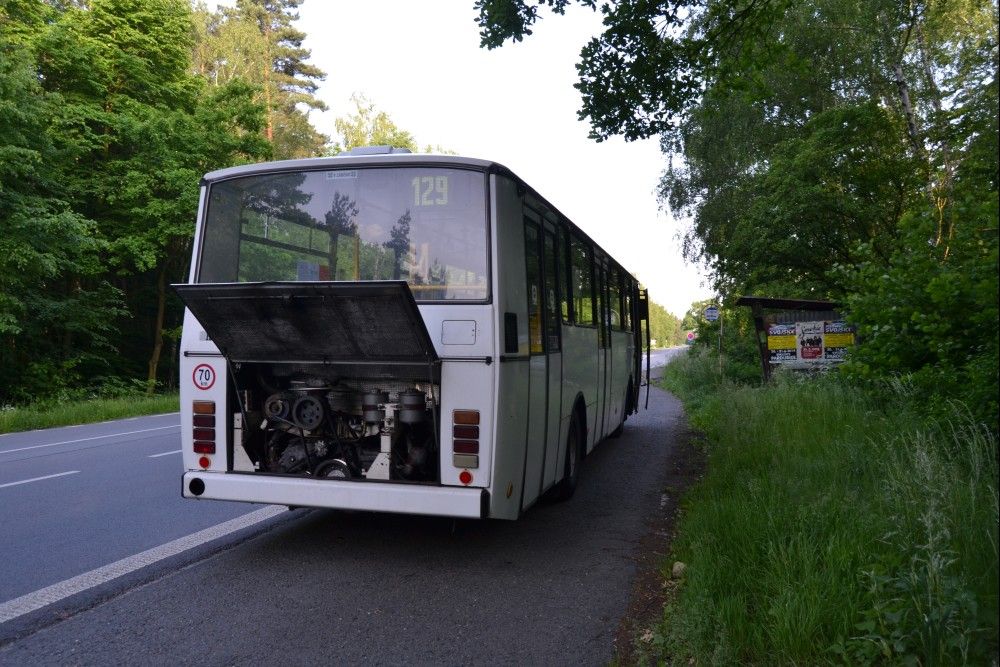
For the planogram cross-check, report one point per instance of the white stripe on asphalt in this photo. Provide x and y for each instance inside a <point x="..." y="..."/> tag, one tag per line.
<point x="38" y="479"/>
<point x="96" y="437"/>
<point x="156" y="456"/>
<point x="56" y="592"/>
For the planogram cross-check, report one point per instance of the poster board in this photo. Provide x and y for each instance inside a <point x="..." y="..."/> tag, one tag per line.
<point x="809" y="343"/>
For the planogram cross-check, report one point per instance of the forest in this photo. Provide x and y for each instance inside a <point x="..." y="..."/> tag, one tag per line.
<point x="110" y="112"/>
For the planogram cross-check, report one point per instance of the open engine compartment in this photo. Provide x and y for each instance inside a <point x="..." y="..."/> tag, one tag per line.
<point x="335" y="380"/>
<point x="327" y="427"/>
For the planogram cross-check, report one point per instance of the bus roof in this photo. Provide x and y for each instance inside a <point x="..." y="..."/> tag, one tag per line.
<point x="347" y="160"/>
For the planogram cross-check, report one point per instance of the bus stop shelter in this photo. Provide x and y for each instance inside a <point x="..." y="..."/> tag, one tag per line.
<point x="783" y="322"/>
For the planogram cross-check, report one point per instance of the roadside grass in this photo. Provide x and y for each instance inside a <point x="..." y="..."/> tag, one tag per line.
<point x="831" y="527"/>
<point x="66" y="413"/>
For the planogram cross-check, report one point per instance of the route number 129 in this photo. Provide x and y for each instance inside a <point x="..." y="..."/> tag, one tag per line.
<point x="430" y="191"/>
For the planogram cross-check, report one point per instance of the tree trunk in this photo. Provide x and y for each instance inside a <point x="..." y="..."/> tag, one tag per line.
<point x="267" y="82"/>
<point x="904" y="98"/>
<point x="161" y="304"/>
<point x="941" y="189"/>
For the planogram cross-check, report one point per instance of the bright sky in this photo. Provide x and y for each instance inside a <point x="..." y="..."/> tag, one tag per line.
<point x="421" y="63"/>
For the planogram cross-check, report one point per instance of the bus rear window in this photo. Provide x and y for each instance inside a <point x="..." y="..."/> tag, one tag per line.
<point x="426" y="226"/>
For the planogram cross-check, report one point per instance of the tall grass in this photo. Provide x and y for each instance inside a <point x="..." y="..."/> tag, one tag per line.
<point x="833" y="527"/>
<point x="65" y="413"/>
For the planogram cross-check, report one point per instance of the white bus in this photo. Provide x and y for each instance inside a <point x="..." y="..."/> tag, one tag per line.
<point x="396" y="332"/>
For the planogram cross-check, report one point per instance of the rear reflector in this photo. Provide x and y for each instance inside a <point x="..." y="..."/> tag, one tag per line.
<point x="204" y="447"/>
<point x="204" y="421"/>
<point x="466" y="417"/>
<point x="465" y="461"/>
<point x="203" y="407"/>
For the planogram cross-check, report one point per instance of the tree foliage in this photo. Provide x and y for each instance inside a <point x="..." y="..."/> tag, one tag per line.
<point x="664" y="326"/>
<point x="256" y="41"/>
<point x="368" y="126"/>
<point x="105" y="132"/>
<point x="820" y="148"/>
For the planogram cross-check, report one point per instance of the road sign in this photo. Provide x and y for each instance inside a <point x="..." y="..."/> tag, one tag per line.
<point x="712" y="313"/>
<point x="690" y="337"/>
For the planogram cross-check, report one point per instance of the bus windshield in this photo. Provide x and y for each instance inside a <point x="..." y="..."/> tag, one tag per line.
<point x="424" y="225"/>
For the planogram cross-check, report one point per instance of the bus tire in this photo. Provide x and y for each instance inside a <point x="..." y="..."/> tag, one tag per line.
<point x="571" y="472"/>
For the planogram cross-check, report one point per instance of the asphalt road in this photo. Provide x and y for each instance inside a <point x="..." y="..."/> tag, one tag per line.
<point x="315" y="586"/>
<point x="76" y="498"/>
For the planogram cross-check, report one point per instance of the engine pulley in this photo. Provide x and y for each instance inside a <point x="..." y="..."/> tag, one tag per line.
<point x="276" y="406"/>
<point x="307" y="412"/>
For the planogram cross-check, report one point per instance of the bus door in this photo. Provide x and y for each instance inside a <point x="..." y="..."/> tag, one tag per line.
<point x="610" y="400"/>
<point x="535" y="451"/>
<point x="551" y="260"/>
<point x="602" y="357"/>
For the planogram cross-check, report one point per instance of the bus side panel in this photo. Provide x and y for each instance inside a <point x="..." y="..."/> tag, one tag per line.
<point x="511" y="300"/>
<point x="580" y="346"/>
<point x="619" y="381"/>
<point x="204" y="376"/>
<point x="466" y="386"/>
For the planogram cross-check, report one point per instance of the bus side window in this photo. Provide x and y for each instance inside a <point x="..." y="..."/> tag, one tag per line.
<point x="532" y="260"/>
<point x="627" y="304"/>
<point x="614" y="297"/>
<point x="565" y="275"/>
<point x="583" y="282"/>
<point x="600" y="280"/>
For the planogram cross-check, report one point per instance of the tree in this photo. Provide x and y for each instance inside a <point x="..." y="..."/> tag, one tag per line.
<point x="126" y="104"/>
<point x="664" y="327"/>
<point x="368" y="126"/>
<point x="54" y="308"/>
<point x="255" y="41"/>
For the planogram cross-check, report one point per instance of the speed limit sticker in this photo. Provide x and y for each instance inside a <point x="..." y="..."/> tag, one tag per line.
<point x="203" y="376"/>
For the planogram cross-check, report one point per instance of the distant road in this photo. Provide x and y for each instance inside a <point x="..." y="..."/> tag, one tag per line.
<point x="661" y="357"/>
<point x="79" y="497"/>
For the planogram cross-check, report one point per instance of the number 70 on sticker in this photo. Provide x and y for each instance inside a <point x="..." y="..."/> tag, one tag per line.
<point x="203" y="376"/>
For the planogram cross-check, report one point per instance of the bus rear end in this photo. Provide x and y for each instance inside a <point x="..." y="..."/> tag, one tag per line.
<point x="337" y="344"/>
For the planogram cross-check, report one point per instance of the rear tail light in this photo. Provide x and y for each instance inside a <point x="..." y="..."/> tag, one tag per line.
<point x="204" y="428"/>
<point x="466" y="447"/>
<point x="465" y="441"/>
<point x="466" y="417"/>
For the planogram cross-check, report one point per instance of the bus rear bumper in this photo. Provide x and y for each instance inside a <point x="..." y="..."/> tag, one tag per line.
<point x="471" y="503"/>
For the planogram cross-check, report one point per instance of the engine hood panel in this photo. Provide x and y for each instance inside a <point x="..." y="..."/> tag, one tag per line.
<point x="370" y="322"/>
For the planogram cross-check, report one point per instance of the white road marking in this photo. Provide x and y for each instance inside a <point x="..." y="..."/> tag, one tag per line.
<point x="156" y="456"/>
<point x="38" y="479"/>
<point x="56" y="592"/>
<point x="96" y="437"/>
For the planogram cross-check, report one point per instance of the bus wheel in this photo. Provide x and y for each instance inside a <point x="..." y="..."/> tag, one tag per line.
<point x="564" y="489"/>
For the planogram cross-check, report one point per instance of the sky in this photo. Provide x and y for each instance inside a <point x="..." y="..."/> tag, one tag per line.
<point x="421" y="63"/>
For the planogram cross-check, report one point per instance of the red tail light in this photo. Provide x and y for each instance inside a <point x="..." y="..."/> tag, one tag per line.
<point x="465" y="442"/>
<point x="204" y="428"/>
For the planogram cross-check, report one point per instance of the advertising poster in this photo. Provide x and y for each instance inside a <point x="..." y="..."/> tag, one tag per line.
<point x="838" y="337"/>
<point x="810" y="339"/>
<point x="781" y="346"/>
